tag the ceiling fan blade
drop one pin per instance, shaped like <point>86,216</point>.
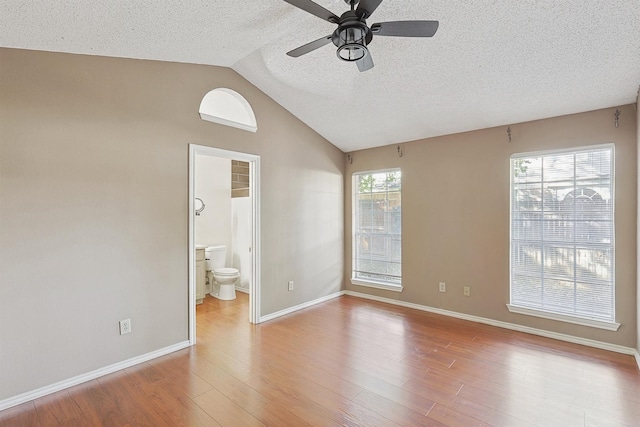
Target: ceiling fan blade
<point>366,7</point>
<point>405,28</point>
<point>314,9</point>
<point>311,46</point>
<point>365,63</point>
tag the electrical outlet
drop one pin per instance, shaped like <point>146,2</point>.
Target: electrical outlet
<point>443,287</point>
<point>290,285</point>
<point>467,291</point>
<point>125,326</point>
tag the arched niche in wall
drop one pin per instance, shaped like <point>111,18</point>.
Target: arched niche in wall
<point>227,107</point>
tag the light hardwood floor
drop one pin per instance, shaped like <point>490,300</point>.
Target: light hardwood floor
<point>353,362</point>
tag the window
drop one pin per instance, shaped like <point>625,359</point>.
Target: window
<point>562,236</point>
<point>377,229</point>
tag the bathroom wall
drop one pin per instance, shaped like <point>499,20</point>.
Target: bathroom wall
<point>241,240</point>
<point>213,186</point>
<point>239,178</point>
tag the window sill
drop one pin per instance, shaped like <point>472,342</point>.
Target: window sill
<point>609,326</point>
<point>377,285</point>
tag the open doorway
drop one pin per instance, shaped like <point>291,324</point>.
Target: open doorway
<point>252,203</point>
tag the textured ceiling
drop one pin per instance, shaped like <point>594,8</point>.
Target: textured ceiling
<point>491,63</point>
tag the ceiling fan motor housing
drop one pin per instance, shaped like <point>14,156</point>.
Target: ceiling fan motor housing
<point>352,37</point>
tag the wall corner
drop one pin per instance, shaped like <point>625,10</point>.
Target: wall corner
<point>638,232</point>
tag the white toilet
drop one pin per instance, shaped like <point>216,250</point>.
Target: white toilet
<point>223,279</point>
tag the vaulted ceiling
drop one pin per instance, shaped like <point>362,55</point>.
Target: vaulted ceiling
<point>491,63</point>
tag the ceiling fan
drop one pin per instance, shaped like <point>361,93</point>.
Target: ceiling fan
<point>353,35</point>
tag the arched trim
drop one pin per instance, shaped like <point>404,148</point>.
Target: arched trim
<point>227,107</point>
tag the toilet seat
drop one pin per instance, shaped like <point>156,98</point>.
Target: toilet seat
<point>226,271</point>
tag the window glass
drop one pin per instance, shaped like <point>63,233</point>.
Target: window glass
<point>377,226</point>
<point>562,233</point>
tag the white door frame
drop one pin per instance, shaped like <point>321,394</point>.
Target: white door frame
<point>254,193</point>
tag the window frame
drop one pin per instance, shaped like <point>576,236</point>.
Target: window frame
<point>548,314</point>
<point>378,284</point>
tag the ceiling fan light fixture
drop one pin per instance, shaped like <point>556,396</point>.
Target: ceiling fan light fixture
<point>352,43</point>
<point>352,52</point>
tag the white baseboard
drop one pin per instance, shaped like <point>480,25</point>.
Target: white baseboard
<point>299,307</point>
<point>52,388</point>
<point>239,289</point>
<point>512,326</point>
<point>637,356</point>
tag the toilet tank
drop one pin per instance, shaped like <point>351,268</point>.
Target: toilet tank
<point>215,256</point>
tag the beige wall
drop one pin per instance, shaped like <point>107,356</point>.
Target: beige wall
<point>638,243</point>
<point>455,196</point>
<point>93,207</point>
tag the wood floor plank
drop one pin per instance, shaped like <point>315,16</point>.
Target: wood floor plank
<point>276,415</point>
<point>495,415</point>
<point>58,409</point>
<point>300,406</point>
<point>229,364</point>
<point>295,365</point>
<point>239,392</point>
<point>224,411</point>
<point>175,371</point>
<point>333,406</point>
<point>167,398</point>
<point>131,403</point>
<point>481,402</point>
<point>97,406</point>
<point>352,362</point>
<point>19,416</point>
<point>395,411</point>
<point>452,418</point>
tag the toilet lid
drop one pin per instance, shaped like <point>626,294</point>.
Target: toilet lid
<point>226,271</point>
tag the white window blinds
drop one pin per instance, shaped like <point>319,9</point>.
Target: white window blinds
<point>562,233</point>
<point>377,227</point>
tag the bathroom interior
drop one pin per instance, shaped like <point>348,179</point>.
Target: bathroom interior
<point>222,227</point>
